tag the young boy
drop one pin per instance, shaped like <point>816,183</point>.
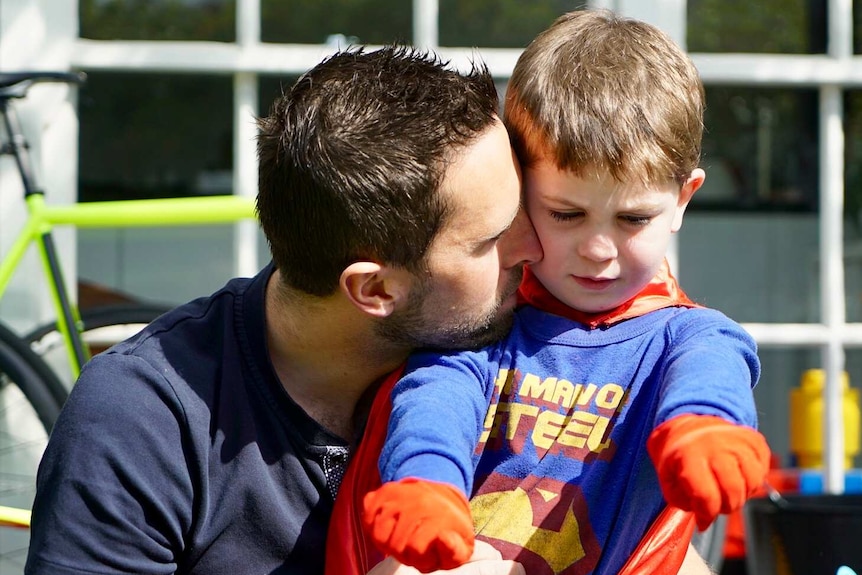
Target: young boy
<point>614,396</point>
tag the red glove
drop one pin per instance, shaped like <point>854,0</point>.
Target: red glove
<point>424,524</point>
<point>708,465</point>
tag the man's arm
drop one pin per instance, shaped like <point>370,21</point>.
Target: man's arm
<point>113,491</point>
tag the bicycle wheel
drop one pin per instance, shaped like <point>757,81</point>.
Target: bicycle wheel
<point>102,327</point>
<point>28,410</point>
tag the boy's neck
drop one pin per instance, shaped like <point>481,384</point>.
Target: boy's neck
<point>663,291</point>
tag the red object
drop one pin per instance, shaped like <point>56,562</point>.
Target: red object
<point>424,524</point>
<point>662,549</point>
<point>348,549</point>
<point>708,465</point>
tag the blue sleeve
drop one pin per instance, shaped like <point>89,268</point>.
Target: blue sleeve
<point>113,489</point>
<point>438,411</point>
<point>711,370</point>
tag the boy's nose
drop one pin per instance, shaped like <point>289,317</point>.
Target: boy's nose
<point>597,247</point>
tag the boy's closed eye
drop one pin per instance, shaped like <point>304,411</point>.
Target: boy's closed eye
<point>565,216</point>
<point>636,220</point>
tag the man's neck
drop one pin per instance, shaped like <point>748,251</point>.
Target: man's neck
<point>326,355</point>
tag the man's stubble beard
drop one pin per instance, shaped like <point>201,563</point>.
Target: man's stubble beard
<point>416,326</point>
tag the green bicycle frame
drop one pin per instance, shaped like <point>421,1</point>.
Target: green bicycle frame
<point>43,218</point>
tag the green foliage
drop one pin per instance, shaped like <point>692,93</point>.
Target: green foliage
<point>761,26</point>
<point>497,23</point>
<point>491,23</point>
<point>853,156</point>
<point>213,20</point>
<point>312,21</point>
<point>765,140</point>
<point>151,135</point>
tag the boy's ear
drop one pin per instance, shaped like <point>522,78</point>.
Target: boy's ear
<point>691,185</point>
<point>374,288</point>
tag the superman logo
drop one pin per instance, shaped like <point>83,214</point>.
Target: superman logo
<point>540,522</point>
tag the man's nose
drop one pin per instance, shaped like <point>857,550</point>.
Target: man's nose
<point>520,244</point>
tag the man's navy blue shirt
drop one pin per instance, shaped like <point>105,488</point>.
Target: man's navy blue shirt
<point>178,451</point>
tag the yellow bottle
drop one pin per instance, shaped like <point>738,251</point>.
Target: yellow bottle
<point>806,419</point>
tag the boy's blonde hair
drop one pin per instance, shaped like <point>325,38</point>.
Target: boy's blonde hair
<point>597,91</point>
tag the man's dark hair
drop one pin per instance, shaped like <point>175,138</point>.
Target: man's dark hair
<point>353,156</point>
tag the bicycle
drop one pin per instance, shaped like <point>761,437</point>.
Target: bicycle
<point>31,383</point>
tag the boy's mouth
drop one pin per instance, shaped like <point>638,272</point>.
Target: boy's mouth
<point>596,284</point>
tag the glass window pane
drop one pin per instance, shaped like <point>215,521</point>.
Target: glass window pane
<point>853,156</point>
<point>164,265</point>
<point>155,135</point>
<point>496,23</point>
<point>782,371</point>
<point>755,267</point>
<point>853,366</point>
<point>857,28</point>
<point>757,26</point>
<point>760,149</point>
<point>213,20</point>
<point>853,203</point>
<point>315,21</point>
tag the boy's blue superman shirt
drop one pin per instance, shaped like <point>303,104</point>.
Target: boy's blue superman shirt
<point>547,430</point>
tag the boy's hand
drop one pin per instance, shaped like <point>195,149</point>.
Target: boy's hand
<point>421,523</point>
<point>708,465</point>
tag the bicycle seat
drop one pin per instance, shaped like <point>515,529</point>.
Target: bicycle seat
<point>16,84</point>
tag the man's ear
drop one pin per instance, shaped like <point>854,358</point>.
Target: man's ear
<point>374,288</point>
<point>691,185</point>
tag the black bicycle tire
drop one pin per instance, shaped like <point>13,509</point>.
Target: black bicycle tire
<point>27,422</point>
<point>37,382</point>
<point>97,318</point>
<point>103,316</point>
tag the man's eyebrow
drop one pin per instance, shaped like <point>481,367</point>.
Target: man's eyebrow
<point>509,225</point>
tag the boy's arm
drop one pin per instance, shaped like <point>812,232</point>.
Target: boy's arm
<point>422,523</point>
<point>484,561</point>
<point>420,514</point>
<point>708,455</point>
<point>694,564</point>
<point>708,465</point>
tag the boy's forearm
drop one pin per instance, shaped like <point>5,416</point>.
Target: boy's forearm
<point>485,561</point>
<point>694,564</point>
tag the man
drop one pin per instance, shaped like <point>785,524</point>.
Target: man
<point>215,440</point>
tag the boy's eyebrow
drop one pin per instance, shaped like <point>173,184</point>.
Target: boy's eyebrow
<point>646,205</point>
